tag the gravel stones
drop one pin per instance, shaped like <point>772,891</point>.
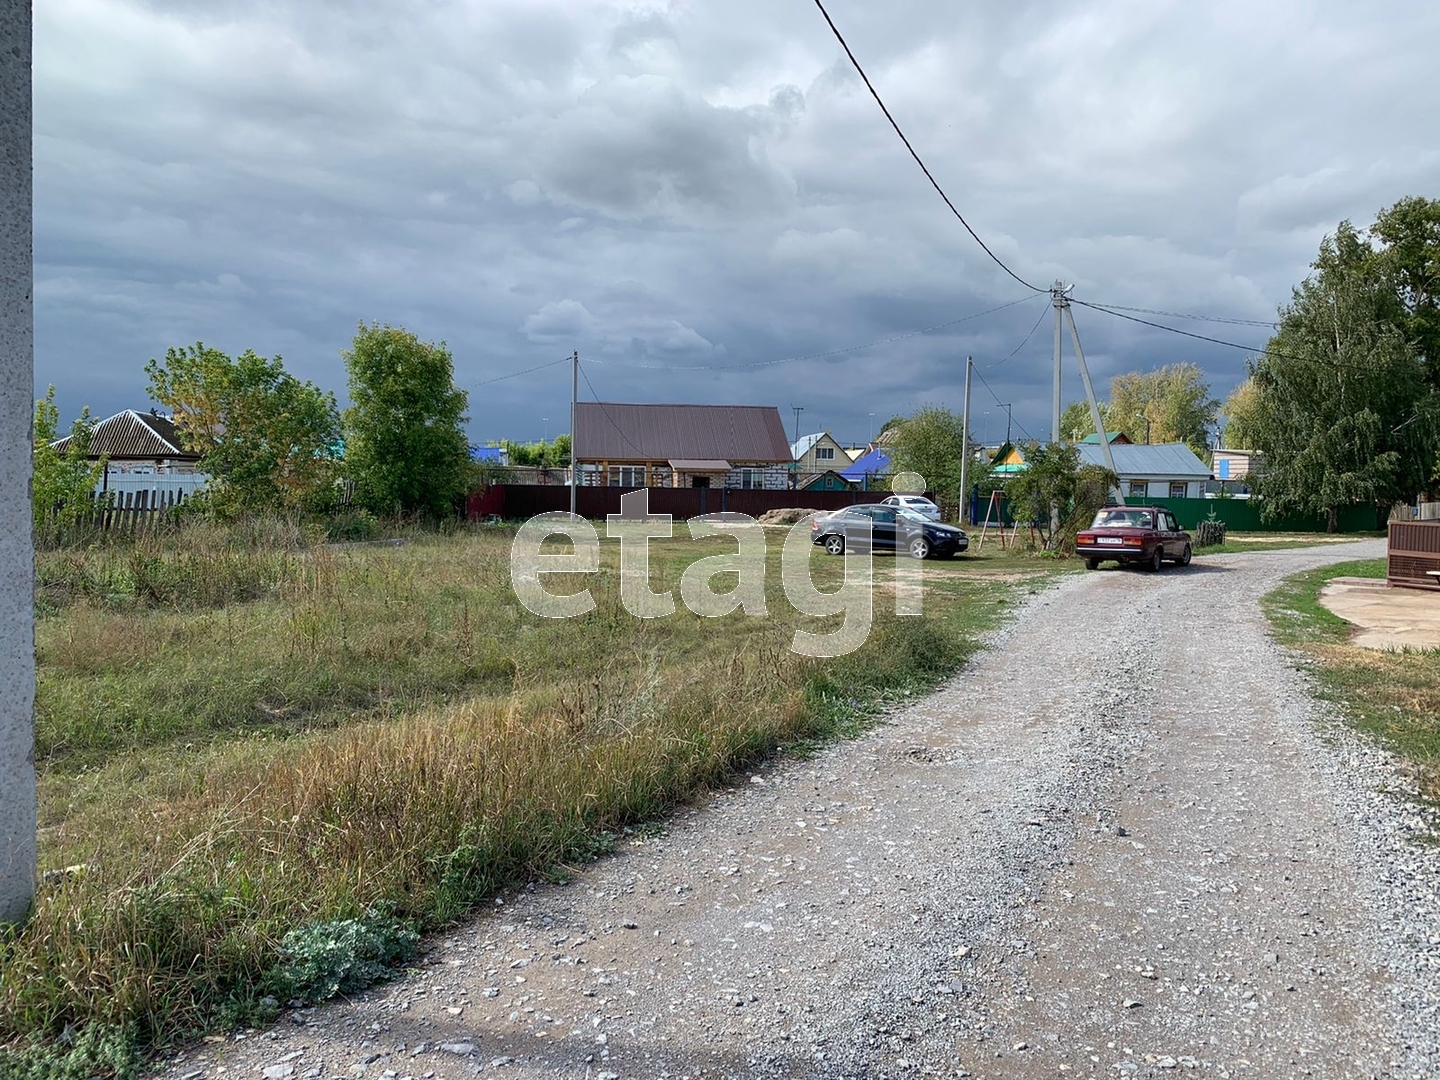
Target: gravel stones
<point>957,885</point>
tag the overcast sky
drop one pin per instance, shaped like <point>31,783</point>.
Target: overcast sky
<point>679,188</point>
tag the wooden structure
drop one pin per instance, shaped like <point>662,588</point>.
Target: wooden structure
<point>1413,555</point>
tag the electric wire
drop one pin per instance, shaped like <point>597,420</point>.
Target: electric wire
<point>1257,351</point>
<point>1023,341</point>
<point>523,371</point>
<point>918,161</point>
<point>1183,315</point>
<point>621,431</point>
<point>1010,416</point>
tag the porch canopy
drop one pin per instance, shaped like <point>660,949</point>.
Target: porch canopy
<point>699,465</point>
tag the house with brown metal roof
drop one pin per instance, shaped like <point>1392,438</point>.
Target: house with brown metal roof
<point>627,445</point>
<point>139,442</point>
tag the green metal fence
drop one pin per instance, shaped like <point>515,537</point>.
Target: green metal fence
<point>1243,515</point>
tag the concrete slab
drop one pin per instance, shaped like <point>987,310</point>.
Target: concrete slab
<point>1385,617</point>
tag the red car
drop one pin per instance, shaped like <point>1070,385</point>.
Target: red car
<point>1133,534</point>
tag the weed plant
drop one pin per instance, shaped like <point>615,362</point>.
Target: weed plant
<point>267,764</point>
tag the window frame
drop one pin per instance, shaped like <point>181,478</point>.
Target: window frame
<point>618,474</point>
<point>1182,485</point>
<point>1137,489</point>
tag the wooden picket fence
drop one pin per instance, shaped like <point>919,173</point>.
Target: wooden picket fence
<point>115,513</point>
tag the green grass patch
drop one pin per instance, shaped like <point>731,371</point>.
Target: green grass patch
<point>1391,696</point>
<point>1240,543</point>
<point>259,788</point>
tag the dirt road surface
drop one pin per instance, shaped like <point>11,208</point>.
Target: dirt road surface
<point>1125,841</point>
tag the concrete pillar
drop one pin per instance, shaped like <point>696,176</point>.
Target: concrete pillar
<point>17,404</point>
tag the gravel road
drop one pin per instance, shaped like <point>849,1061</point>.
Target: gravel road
<point>1124,841</point>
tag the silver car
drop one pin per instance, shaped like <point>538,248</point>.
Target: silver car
<point>917,504</point>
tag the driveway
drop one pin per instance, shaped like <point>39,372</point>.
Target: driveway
<point>1124,841</point>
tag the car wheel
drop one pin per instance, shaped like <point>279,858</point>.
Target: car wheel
<point>1157,560</point>
<point>919,548</point>
<point>835,544</point>
<point>1184,559</point>
<point>1092,564</point>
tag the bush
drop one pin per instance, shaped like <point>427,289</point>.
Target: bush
<point>341,956</point>
<point>1210,532</point>
<point>353,525</point>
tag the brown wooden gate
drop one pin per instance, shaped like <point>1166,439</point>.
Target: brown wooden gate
<point>1414,554</point>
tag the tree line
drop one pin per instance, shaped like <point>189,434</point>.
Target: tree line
<point>1342,407</point>
<point>272,442</point>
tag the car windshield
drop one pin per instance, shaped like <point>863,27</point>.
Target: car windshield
<point>1124,519</point>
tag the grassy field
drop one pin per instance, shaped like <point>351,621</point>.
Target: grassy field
<point>1240,543</point>
<point>265,766</point>
<point>1393,696</point>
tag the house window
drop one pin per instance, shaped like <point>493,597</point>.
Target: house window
<point>751,478</point>
<point>627,475</point>
<point>824,453</point>
<point>1177,489</point>
<point>1139,488</point>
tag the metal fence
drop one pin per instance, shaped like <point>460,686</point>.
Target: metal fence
<point>520,501</point>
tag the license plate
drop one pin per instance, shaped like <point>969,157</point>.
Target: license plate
<point>1109,541</point>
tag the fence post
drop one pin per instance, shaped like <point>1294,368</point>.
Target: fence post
<point>17,405</point>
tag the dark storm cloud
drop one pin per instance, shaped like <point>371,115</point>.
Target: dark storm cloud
<point>680,189</point>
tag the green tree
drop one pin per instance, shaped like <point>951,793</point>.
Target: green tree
<point>405,442</point>
<point>1344,414</point>
<point>929,443</point>
<point>1169,404</point>
<point>1076,421</point>
<point>552,455</point>
<point>1239,411</point>
<point>64,480</point>
<point>1053,476</point>
<point>266,438</point>
<point>1410,260</point>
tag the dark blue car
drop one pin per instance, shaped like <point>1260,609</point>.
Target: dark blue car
<point>886,528</point>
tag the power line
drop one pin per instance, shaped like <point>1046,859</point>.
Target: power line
<point>1023,342</point>
<point>1262,351</point>
<point>523,371</point>
<point>1259,351</point>
<point>813,356</point>
<point>923,168</point>
<point>585,375</point>
<point>1182,315</point>
<point>1003,405</point>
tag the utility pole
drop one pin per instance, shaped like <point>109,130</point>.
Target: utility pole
<point>965,447</point>
<point>17,407</point>
<point>1062,311</point>
<point>798,409</point>
<point>574,398</point>
<point>1059,300</point>
<point>1007,406</point>
<point>1090,397</point>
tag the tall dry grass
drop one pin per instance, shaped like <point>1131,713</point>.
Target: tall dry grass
<point>517,746</point>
